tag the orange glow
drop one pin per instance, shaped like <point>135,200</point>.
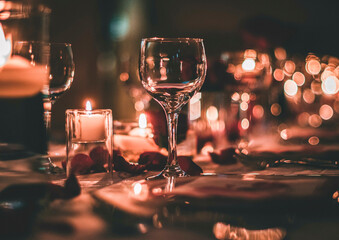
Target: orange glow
<point>139,106</point>
<point>245,97</point>
<point>336,106</point>
<point>315,120</point>
<point>88,106</point>
<point>258,111</point>
<point>212,113</point>
<point>124,76</point>
<point>313,66</point>
<point>283,134</point>
<point>230,68</point>
<point>326,112</point>
<point>137,188</point>
<point>5,47</point>
<point>142,121</point>
<point>290,88</point>
<point>278,74</point>
<point>245,124</point>
<point>243,106</point>
<point>235,97</point>
<point>316,87</point>
<point>250,53</point>
<point>299,78</point>
<point>248,64</point>
<point>308,96</point>
<point>303,119</point>
<point>275,109</point>
<point>289,67</point>
<point>280,53</point>
<point>330,85</point>
<point>313,140</point>
<point>207,148</point>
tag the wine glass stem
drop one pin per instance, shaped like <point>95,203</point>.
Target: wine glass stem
<point>172,124</point>
<point>47,120</point>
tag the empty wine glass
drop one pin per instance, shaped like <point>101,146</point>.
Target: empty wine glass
<point>172,70</point>
<point>58,58</point>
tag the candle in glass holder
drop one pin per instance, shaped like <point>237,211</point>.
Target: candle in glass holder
<point>92,125</point>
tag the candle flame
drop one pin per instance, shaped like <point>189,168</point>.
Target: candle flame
<point>142,121</point>
<point>88,106</point>
<point>5,47</point>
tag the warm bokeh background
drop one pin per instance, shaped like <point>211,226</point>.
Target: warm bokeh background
<point>106,35</point>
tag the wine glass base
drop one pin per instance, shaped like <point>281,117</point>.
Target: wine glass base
<point>173,171</point>
<point>47,166</point>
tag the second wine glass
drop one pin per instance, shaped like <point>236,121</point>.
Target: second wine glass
<point>172,70</point>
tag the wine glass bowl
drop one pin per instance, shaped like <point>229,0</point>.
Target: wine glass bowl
<point>172,70</point>
<point>61,67</point>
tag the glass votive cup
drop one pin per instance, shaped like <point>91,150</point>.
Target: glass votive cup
<point>89,137</point>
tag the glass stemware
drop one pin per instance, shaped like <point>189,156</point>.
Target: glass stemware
<point>58,58</point>
<point>172,70</point>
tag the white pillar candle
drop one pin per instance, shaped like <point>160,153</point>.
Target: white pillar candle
<point>92,125</point>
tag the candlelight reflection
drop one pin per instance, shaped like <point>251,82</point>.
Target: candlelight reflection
<point>226,231</point>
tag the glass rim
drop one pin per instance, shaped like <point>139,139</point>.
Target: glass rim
<point>165,39</point>
<point>84,111</point>
<point>47,43</point>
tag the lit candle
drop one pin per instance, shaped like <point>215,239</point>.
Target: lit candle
<point>18,77</point>
<point>92,125</point>
<point>142,130</point>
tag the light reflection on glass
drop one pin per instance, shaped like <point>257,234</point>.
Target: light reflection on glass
<point>226,231</point>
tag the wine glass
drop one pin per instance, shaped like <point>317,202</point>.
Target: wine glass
<point>172,70</point>
<point>58,58</point>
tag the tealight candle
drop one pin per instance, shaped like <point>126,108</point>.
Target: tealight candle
<point>89,140</point>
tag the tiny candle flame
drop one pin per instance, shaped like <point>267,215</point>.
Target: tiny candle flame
<point>142,121</point>
<point>88,106</point>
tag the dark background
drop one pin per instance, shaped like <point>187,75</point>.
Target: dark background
<point>105,36</point>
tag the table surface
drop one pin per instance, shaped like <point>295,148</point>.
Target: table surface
<point>228,202</point>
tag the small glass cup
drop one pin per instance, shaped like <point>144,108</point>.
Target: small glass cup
<point>89,141</point>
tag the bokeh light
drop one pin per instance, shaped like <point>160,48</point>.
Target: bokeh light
<point>258,111</point>
<point>245,97</point>
<point>303,119</point>
<point>235,97</point>
<point>299,78</point>
<point>244,106</point>
<point>314,120</point>
<point>245,124</point>
<point>313,66</point>
<point>280,53</point>
<point>275,109</point>
<point>290,88</point>
<point>308,96</point>
<point>326,112</point>
<point>330,85</point>
<point>289,67</point>
<point>212,113</point>
<point>278,74</point>
<point>314,140</point>
<point>248,64</point>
